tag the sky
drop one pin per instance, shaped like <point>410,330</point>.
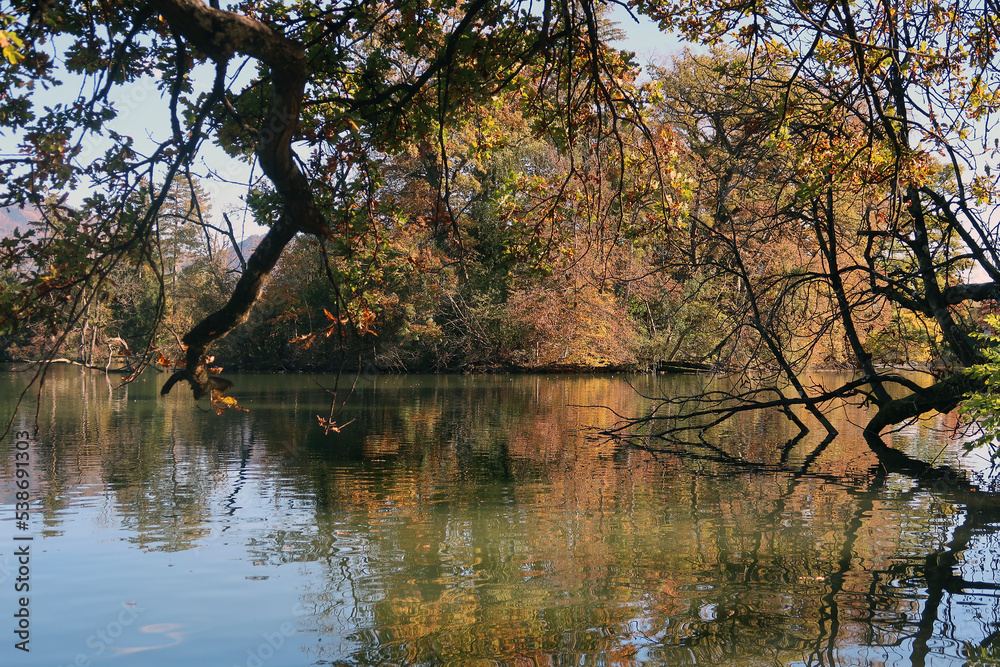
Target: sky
<point>645,38</point>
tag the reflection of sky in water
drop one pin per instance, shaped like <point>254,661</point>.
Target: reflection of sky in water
<point>96,595</point>
<point>462,521</point>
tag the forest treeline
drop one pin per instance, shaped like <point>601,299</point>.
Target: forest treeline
<point>505,244</point>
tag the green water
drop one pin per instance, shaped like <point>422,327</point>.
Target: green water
<point>469,521</point>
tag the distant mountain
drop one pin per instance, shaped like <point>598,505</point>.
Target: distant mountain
<point>12,218</point>
<point>247,246</point>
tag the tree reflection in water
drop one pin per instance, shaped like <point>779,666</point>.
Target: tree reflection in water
<point>469,521</point>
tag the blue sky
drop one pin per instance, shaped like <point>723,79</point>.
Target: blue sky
<point>645,38</point>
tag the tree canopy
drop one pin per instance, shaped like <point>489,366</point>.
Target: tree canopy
<point>862,134</point>
<point>317,96</point>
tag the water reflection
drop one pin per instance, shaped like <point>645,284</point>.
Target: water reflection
<point>468,520</point>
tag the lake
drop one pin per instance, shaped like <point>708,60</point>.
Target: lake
<point>472,520</point>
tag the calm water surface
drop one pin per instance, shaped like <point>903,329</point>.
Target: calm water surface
<point>468,521</point>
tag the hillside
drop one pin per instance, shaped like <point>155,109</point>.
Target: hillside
<point>247,246</point>
<point>12,218</point>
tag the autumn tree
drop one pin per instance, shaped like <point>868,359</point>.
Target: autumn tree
<point>873,138</point>
<point>307,94</point>
<point>530,262</point>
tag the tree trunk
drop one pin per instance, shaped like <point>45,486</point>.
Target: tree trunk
<point>221,34</point>
<point>942,396</point>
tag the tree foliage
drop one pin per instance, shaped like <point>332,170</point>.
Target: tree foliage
<point>857,133</point>
<point>318,97</point>
<point>983,405</point>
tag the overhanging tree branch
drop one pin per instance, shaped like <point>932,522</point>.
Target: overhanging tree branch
<point>220,35</point>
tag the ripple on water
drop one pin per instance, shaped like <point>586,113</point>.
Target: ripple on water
<point>461,520</point>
